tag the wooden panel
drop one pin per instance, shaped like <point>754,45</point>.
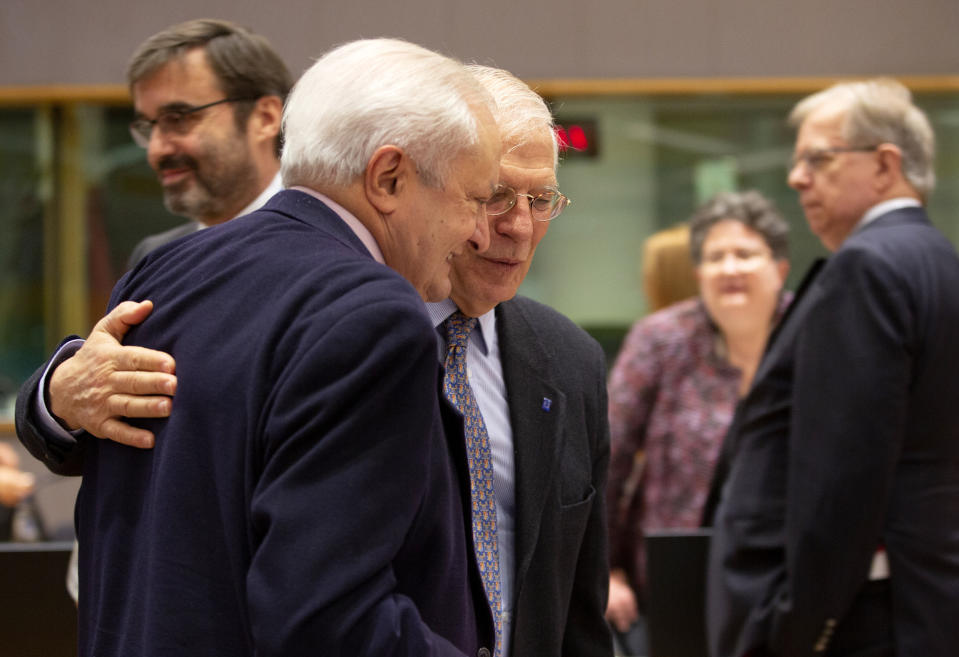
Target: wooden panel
<point>725,86</point>
<point>118,94</point>
<point>105,94</point>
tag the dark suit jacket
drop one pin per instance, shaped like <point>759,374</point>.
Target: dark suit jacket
<point>152,242</point>
<point>848,441</point>
<point>302,498</point>
<point>561,455</point>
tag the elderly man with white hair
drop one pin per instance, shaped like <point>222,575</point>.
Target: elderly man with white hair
<point>548,431</point>
<point>303,497</point>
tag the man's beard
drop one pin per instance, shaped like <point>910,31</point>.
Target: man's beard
<point>211,191</point>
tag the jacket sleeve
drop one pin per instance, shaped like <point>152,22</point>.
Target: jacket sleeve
<point>61,454</point>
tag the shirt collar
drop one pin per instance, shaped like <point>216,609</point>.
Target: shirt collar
<point>361,231</point>
<point>440,310</point>
<point>275,186</point>
<point>880,209</point>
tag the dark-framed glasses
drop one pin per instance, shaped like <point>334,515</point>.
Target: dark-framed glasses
<point>817,158</point>
<point>177,120</point>
<point>543,205</point>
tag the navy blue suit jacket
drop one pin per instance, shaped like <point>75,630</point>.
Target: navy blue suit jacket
<point>302,498</point>
<point>848,441</point>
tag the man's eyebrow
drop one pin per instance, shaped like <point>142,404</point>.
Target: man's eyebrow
<point>176,106</point>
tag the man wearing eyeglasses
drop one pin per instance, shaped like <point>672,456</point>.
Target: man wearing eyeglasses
<point>836,532</point>
<point>547,428</point>
<point>540,384</point>
<point>207,97</point>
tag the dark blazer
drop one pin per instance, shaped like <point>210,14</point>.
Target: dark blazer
<point>152,242</point>
<point>847,442</point>
<point>561,452</point>
<point>303,497</point>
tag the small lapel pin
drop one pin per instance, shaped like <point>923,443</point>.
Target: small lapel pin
<point>547,402</point>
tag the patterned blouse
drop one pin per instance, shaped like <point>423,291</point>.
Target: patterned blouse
<point>671,399</point>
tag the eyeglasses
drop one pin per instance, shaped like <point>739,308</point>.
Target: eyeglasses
<point>544,206</point>
<point>744,260</point>
<point>818,158</point>
<point>176,121</point>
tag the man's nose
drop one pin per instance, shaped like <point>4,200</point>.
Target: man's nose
<point>518,222</point>
<point>158,146</point>
<point>798,176</point>
<point>481,236</point>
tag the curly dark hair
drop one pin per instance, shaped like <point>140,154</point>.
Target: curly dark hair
<point>750,208</point>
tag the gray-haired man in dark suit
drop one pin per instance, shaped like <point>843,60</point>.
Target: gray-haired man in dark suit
<point>836,532</point>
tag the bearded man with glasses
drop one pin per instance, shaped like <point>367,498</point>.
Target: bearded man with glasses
<point>207,97</point>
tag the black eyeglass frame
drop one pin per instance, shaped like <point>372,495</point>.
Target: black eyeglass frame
<point>142,128</point>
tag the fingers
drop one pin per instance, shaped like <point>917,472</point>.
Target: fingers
<point>126,434</point>
<point>8,456</point>
<point>621,609</point>
<point>620,616</point>
<point>105,382</point>
<point>139,368</point>
<point>112,425</point>
<point>104,350</point>
<point>138,405</point>
<point>14,485</point>
<point>119,320</point>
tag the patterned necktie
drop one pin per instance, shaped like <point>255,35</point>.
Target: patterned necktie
<point>457,390</point>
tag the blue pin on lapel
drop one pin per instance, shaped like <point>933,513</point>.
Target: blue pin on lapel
<point>547,402</point>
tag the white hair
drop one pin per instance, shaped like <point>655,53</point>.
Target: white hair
<point>371,93</point>
<point>880,111</point>
<point>521,113</point>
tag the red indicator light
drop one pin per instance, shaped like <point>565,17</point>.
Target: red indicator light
<point>577,138</point>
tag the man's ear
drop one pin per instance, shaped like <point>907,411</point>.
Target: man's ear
<point>266,118</point>
<point>387,176</point>
<point>889,168</point>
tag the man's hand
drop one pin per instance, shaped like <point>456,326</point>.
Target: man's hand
<point>105,382</point>
<point>14,484</point>
<point>621,610</point>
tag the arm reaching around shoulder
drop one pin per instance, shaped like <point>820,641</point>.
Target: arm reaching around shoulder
<point>105,382</point>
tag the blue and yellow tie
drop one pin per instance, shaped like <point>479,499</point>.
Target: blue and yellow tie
<point>457,389</point>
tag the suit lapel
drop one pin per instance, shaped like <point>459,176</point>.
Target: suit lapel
<point>791,310</point>
<point>537,410</point>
